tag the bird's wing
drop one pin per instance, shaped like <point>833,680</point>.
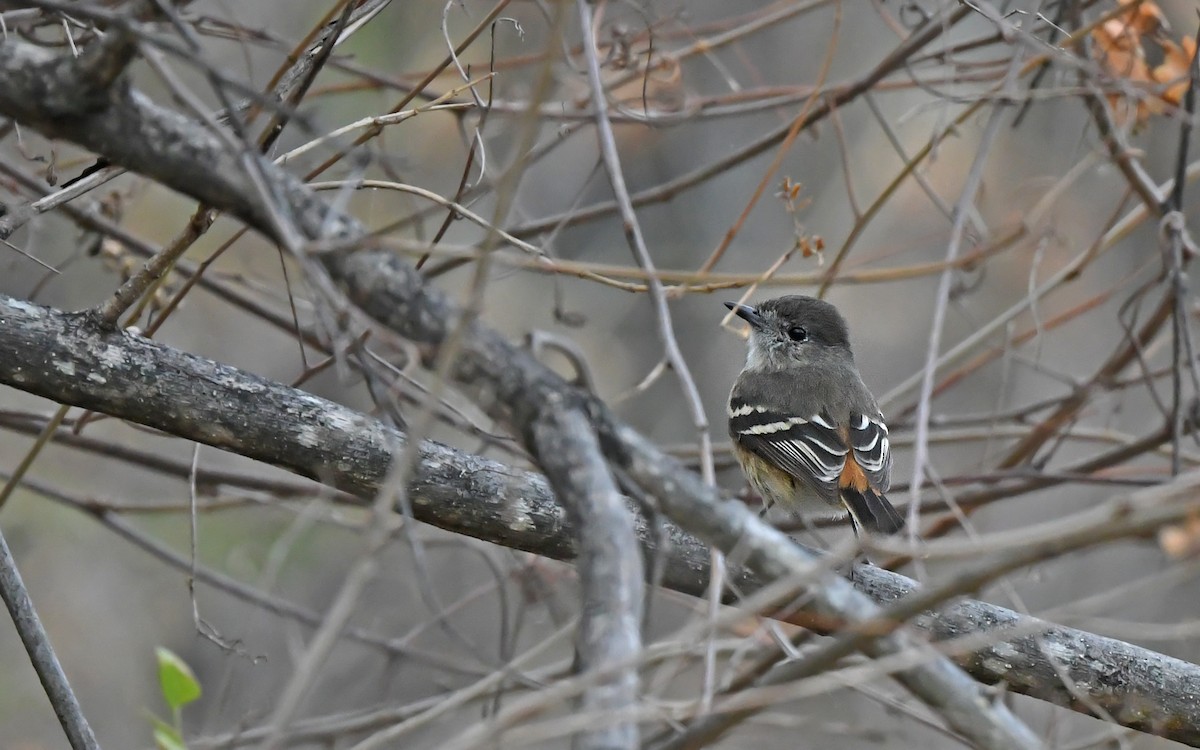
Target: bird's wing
<point>872,450</point>
<point>808,448</point>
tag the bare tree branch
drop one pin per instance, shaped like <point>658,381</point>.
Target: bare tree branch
<point>41,654</point>
<point>67,357</point>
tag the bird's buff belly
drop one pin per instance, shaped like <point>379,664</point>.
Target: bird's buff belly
<point>790,495</point>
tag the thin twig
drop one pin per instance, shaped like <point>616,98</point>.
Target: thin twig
<point>41,654</point>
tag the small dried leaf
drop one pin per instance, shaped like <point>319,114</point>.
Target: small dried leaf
<point>1177,59</point>
<point>1144,17</point>
<point>1119,50</point>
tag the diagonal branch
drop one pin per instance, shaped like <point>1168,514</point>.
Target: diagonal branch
<point>41,654</point>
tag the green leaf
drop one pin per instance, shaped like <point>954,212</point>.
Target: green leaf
<point>167,737</point>
<point>175,677</point>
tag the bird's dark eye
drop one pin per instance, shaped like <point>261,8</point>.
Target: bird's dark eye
<point>798,333</point>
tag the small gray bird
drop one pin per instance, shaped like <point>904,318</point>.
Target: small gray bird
<point>805,429</point>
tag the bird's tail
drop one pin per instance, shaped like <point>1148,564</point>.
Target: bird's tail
<point>871,510</point>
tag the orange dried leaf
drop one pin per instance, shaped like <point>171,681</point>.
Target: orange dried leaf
<point>789,190</point>
<point>1120,51</point>
<point>1177,60</point>
<point>1144,17</point>
<point>810,246</point>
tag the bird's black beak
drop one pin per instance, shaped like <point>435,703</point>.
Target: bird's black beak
<point>746,313</point>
